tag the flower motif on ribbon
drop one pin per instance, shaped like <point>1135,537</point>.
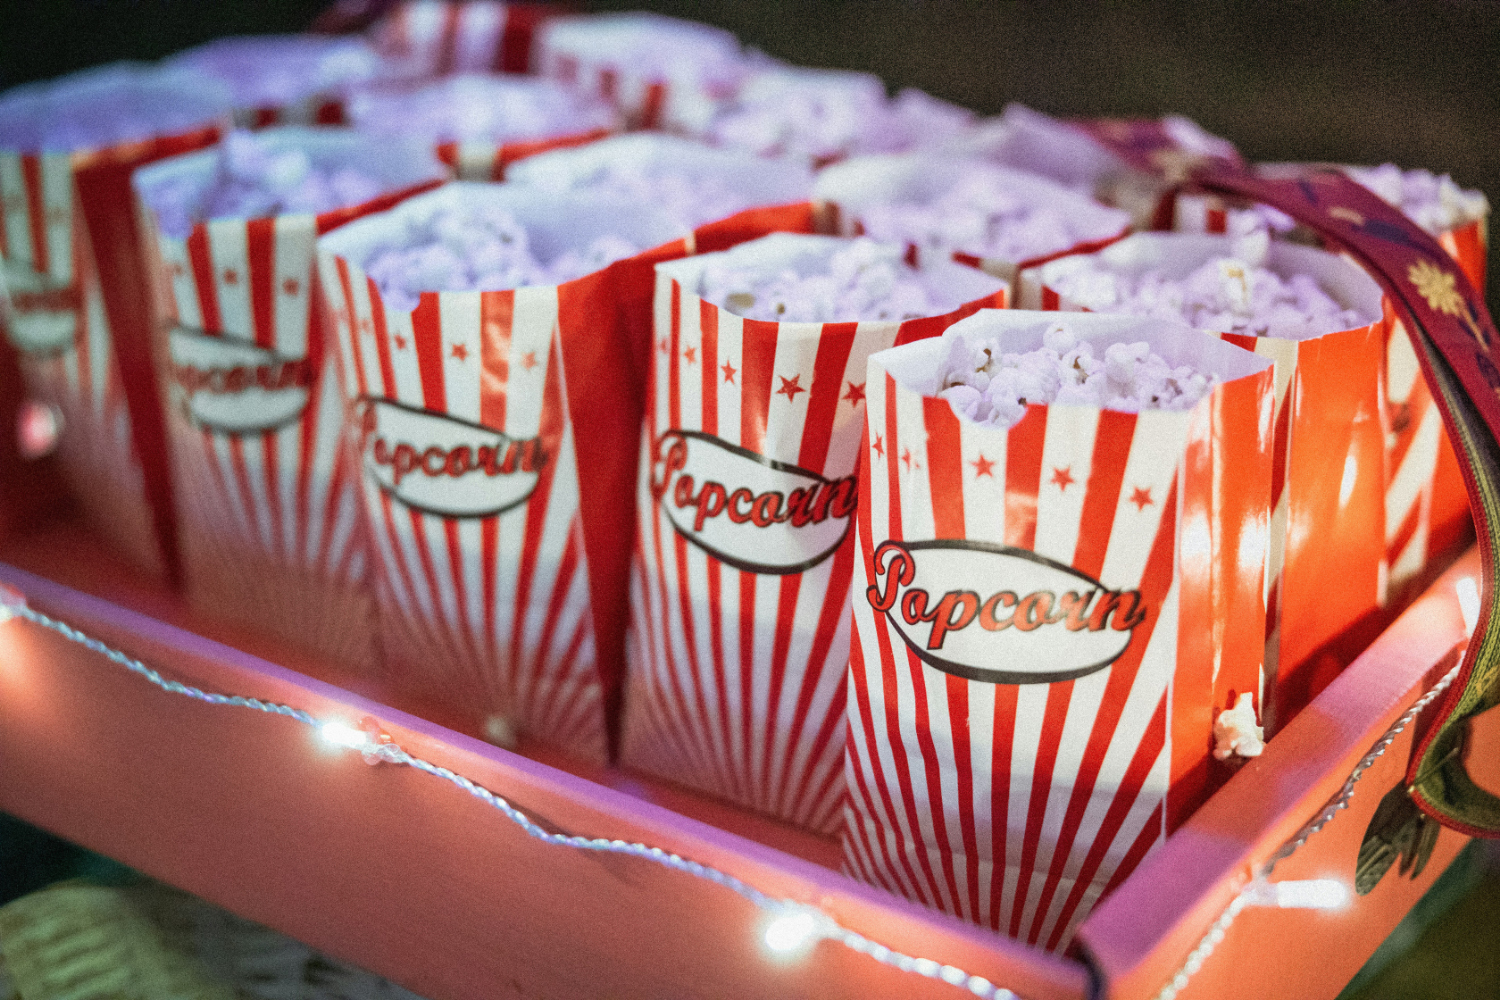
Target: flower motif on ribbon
<point>1437,287</point>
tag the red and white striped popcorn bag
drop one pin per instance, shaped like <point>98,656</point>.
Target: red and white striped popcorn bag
<point>661,72</point>
<point>1427,506</point>
<point>1326,577</point>
<point>848,195</point>
<point>285,79</point>
<point>423,38</point>
<point>1048,619</point>
<point>268,501</point>
<point>497,442</point>
<point>739,603</point>
<point>74,297</point>
<point>725,197</point>
<point>481,124</point>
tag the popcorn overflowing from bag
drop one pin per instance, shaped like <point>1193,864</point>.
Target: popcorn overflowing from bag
<point>994,389</point>
<point>864,281</point>
<point>482,249</point>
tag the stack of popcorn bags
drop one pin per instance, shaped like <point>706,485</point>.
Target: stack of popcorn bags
<point>609,390</point>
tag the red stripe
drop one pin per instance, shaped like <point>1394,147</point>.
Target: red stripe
<point>1145,757</point>
<point>1002,742</point>
<point>1050,300</point>
<point>1156,580</point>
<point>932,767</point>
<point>757,366</point>
<point>382,337</point>
<point>446,57</point>
<point>496,328</point>
<point>36,211</point>
<point>945,468</point>
<point>787,590</point>
<point>557,600</point>
<point>831,619</point>
<point>654,105</point>
<point>1101,496</point>
<point>427,339</point>
<point>271,453</point>
<point>697,758</point>
<point>708,326</point>
<point>317,341</point>
<point>1023,476</point>
<point>1216,220</point>
<point>550,431</point>
<point>747,669</point>
<point>489,559</point>
<point>963,765</point>
<point>359,361</point>
<point>336,486</point>
<point>609,84</point>
<point>1281,446</point>
<point>242,484</point>
<point>1054,716</point>
<point>260,243</point>
<point>1409,525</point>
<point>835,343</point>
<point>1149,836</point>
<point>444,626</point>
<point>201,261</point>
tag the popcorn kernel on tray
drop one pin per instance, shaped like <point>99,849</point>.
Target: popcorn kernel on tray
<point>863,281</point>
<point>994,389</point>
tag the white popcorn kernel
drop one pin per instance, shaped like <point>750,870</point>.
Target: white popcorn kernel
<point>864,281</point>
<point>1226,294</point>
<point>479,108</point>
<point>1236,733</point>
<point>994,389</point>
<point>481,249</point>
<point>1434,202</point>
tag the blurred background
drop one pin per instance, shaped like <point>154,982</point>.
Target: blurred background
<point>1415,83</point>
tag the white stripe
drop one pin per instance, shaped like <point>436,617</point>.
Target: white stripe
<point>1155,452</point>
<point>228,254</point>
<point>1067,460</point>
<point>293,244</point>
<point>17,226</point>
<point>1415,472</point>
<point>57,203</point>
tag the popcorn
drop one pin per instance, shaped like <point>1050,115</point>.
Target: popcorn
<point>992,388</point>
<point>1434,202</point>
<point>268,71</point>
<point>480,108</point>
<point>864,281</point>
<point>1235,731</point>
<point>984,216</point>
<point>482,248</point>
<point>825,115</point>
<point>1229,294</point>
<point>256,178</point>
<point>689,181</point>
<point>107,106</point>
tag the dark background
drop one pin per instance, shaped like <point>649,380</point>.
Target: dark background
<point>1414,83</point>
<point>1417,83</point>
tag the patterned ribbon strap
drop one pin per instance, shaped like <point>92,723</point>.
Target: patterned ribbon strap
<point>1456,345</point>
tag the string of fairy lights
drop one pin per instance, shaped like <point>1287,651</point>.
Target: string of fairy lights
<point>788,929</point>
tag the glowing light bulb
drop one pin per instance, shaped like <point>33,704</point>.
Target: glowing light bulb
<point>38,427</point>
<point>340,734</point>
<point>1468,602</point>
<point>792,931</point>
<point>10,600</point>
<point>1299,894</point>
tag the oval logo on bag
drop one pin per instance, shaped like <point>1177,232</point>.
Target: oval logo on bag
<point>441,465</point>
<point>236,387</point>
<point>1000,614</point>
<point>40,318</point>
<point>746,510</point>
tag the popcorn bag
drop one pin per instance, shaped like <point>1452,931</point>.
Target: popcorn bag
<point>1048,619</point>
<point>747,492</point>
<point>285,79</point>
<point>496,435</point>
<point>1000,220</point>
<point>661,72</point>
<point>75,301</point>
<point>481,124</point>
<point>725,197</point>
<point>267,499</point>
<point>1427,507</point>
<point>424,38</point>
<point>1326,559</point>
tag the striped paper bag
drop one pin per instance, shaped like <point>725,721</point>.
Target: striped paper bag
<point>423,38</point>
<point>267,500</point>
<point>1327,577</point>
<point>73,287</point>
<point>480,124</point>
<point>1047,619</point>
<point>497,442</point>
<point>661,72</point>
<point>740,597</point>
<point>755,196</point>
<point>285,79</point>
<point>847,194</point>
